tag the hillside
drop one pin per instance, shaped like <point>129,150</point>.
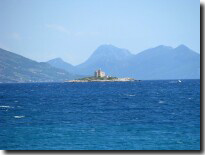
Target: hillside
<point>161,62</point>
<point>107,57</point>
<point>61,64</point>
<point>16,68</point>
<point>165,62</point>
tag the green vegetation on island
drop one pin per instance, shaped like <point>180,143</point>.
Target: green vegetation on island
<point>100,76</point>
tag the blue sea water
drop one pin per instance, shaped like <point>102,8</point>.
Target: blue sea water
<point>146,115</point>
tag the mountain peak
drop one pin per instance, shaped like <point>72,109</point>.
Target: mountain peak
<point>56,59</point>
<point>16,68</point>
<point>103,55</point>
<point>107,46</point>
<point>164,47</point>
<point>61,64</point>
<point>182,46</point>
<point>108,50</point>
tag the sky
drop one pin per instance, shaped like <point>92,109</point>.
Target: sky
<point>72,29</point>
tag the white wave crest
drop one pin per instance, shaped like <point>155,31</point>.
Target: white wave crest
<point>130,95</point>
<point>19,116</point>
<point>5,106</point>
<point>161,101</point>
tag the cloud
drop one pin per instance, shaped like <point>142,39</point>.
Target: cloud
<point>59,28</point>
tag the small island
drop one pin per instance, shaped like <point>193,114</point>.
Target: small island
<point>100,76</point>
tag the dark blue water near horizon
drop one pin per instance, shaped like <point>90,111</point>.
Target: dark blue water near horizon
<point>146,115</point>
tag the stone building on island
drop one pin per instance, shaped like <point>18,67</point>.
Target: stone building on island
<point>99,76</point>
<point>99,73</point>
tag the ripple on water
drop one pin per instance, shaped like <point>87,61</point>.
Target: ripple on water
<point>19,116</point>
<point>5,106</point>
<point>130,95</point>
<point>161,102</point>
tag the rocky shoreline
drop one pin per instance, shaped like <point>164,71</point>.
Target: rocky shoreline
<point>113,80</point>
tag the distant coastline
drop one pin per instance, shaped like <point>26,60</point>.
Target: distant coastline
<point>159,63</point>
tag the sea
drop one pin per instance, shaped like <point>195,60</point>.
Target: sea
<point>145,115</point>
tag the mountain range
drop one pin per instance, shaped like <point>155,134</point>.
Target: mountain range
<point>161,62</point>
<point>16,68</point>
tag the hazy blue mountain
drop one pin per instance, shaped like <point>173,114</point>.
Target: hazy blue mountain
<point>165,62</point>
<point>107,57</point>
<point>16,68</point>
<point>162,62</point>
<point>59,63</point>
